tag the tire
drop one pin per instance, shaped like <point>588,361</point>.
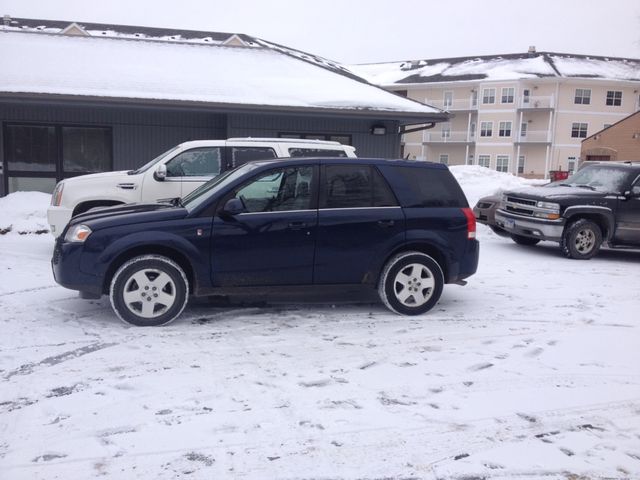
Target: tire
<point>581,240</point>
<point>161,285</point>
<point>411,283</point>
<point>520,240</point>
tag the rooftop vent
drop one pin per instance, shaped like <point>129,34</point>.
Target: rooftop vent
<point>532,49</point>
<point>6,20</point>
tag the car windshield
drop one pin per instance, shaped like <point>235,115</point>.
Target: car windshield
<point>150,164</point>
<point>606,179</point>
<point>206,190</point>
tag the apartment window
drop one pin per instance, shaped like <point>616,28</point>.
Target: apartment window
<point>523,129</point>
<point>583,96</point>
<point>505,129</point>
<point>486,129</point>
<point>507,95</point>
<point>578,130</point>
<point>472,133</point>
<point>488,96</point>
<point>571,164</point>
<point>444,158</point>
<point>446,130</point>
<point>614,98</point>
<point>470,159</point>
<point>502,163</point>
<point>484,160</point>
<point>521,164</point>
<point>448,100</point>
<point>474,98</point>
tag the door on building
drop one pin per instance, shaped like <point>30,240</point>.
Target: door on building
<point>38,156</point>
<point>526,96</point>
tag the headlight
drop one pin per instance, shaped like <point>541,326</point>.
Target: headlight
<point>77,234</point>
<point>549,206</point>
<point>56,198</point>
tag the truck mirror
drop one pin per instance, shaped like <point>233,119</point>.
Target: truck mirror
<point>161,173</point>
<point>233,206</point>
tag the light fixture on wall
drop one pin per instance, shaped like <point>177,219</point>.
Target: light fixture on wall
<point>378,130</point>
<point>636,135</point>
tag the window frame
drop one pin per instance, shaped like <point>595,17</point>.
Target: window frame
<point>499,168</point>
<point>486,157</point>
<point>502,132</point>
<point>444,156</point>
<point>373,171</point>
<point>612,98</point>
<point>581,97</point>
<point>578,129</point>
<point>508,96</point>
<point>483,130</point>
<point>488,96</point>
<point>522,159</point>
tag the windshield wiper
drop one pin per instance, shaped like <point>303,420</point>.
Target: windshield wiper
<point>586,186</point>
<point>565,185</point>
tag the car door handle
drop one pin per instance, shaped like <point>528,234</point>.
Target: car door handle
<point>297,225</point>
<point>386,223</point>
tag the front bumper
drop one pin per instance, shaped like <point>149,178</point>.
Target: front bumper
<point>65,264</point>
<point>530,227</point>
<point>58,217</point>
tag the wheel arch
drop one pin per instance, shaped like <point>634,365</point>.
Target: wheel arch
<point>601,216</point>
<point>422,247</point>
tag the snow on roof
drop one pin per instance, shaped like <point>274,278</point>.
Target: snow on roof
<point>499,67</point>
<point>117,68</point>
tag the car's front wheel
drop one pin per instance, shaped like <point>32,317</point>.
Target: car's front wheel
<point>411,283</point>
<point>581,240</point>
<point>149,290</point>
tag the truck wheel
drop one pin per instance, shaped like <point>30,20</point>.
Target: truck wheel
<point>520,240</point>
<point>581,240</point>
<point>148,291</point>
<point>411,283</point>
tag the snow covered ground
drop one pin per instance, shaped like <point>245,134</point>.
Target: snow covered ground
<point>531,371</point>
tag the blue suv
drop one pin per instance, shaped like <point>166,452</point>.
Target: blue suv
<point>401,227</point>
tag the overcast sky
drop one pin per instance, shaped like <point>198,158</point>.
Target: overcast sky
<point>359,31</point>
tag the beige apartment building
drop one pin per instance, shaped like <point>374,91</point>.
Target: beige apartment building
<point>521,113</point>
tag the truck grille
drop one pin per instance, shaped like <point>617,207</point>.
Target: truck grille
<point>520,206</point>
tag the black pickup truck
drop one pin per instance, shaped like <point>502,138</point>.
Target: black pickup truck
<point>600,203</point>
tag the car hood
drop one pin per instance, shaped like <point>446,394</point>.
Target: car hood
<point>96,177</point>
<point>133,213</point>
<point>556,192</point>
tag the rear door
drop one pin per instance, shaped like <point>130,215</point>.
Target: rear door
<point>358,220</point>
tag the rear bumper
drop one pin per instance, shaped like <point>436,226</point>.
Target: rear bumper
<point>468,264</point>
<point>530,227</point>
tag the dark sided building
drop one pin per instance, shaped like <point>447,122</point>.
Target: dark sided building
<point>85,98</point>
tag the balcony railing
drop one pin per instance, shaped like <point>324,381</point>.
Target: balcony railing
<point>452,105</point>
<point>534,136</point>
<point>537,102</point>
<point>447,137</point>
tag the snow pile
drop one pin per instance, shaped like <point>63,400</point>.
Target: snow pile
<point>24,212</point>
<point>478,182</point>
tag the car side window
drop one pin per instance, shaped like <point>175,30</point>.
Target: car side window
<point>197,162</point>
<point>355,186</point>
<point>242,155</point>
<point>278,190</point>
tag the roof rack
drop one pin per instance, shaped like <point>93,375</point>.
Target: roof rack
<point>287,140</point>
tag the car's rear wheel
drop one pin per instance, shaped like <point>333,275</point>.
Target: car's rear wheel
<point>411,283</point>
<point>581,240</point>
<point>521,240</point>
<point>149,290</point>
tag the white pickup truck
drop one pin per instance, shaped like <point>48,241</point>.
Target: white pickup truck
<point>175,173</point>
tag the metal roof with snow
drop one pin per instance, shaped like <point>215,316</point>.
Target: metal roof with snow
<point>178,67</point>
<point>499,67</point>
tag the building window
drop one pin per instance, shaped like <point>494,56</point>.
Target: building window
<point>521,164</point>
<point>472,133</point>
<point>507,95</point>
<point>343,139</point>
<point>571,164</point>
<point>583,96</point>
<point>484,160</point>
<point>505,129</point>
<point>470,159</point>
<point>486,129</point>
<point>614,98</point>
<point>488,96</point>
<point>37,156</point>
<point>446,130</point>
<point>502,163</point>
<point>523,129</point>
<point>578,130</point>
<point>444,158</point>
<point>448,100</point>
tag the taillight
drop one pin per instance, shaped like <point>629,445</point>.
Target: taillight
<point>471,222</point>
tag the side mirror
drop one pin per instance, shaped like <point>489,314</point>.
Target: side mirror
<point>161,173</point>
<point>234,206</point>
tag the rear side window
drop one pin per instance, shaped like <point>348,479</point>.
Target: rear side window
<point>315,152</point>
<point>355,186</point>
<point>242,155</point>
<point>430,187</point>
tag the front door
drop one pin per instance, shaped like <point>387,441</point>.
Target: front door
<point>628,218</point>
<point>359,218</point>
<point>272,242</point>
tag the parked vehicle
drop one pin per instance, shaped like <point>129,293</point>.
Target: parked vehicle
<point>401,227</point>
<point>175,173</point>
<point>485,213</point>
<point>600,203</point>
